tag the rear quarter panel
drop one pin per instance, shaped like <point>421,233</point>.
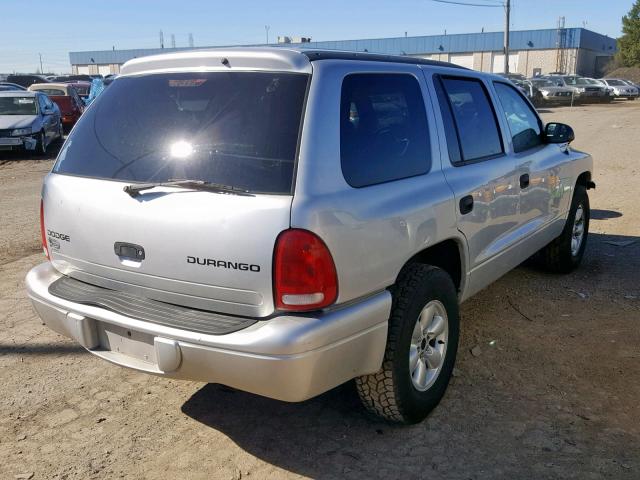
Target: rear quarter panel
<point>370,231</point>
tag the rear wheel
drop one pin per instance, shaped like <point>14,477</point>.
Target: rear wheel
<point>422,343</point>
<point>565,253</point>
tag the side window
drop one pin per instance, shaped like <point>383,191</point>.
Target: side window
<point>476,127</point>
<point>523,123</point>
<point>383,129</point>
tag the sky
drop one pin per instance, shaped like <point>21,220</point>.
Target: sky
<point>32,27</point>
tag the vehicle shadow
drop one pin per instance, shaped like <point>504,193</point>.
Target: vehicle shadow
<point>331,436</point>
<point>604,214</point>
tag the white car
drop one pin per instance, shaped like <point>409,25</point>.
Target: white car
<point>28,120</point>
<point>620,88</point>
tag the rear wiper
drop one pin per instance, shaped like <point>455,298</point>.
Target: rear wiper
<point>135,188</point>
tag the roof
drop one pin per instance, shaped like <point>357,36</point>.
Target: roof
<point>47,86</point>
<point>542,39</point>
<point>259,58</point>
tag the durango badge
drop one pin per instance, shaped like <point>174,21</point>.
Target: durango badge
<point>210,262</point>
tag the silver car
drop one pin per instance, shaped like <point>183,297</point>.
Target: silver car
<point>551,92</point>
<point>583,90</point>
<point>28,120</point>
<point>620,88</point>
<point>284,221</point>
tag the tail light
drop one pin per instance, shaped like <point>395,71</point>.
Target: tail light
<point>43,234</point>
<point>304,273</point>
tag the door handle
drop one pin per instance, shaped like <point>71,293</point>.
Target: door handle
<point>466,204</point>
<point>524,180</point>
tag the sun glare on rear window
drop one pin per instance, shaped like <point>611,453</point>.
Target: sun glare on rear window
<point>234,128</point>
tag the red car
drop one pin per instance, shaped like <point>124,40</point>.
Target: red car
<point>82,88</point>
<point>67,99</point>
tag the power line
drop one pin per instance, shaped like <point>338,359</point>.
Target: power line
<point>452,2</point>
<point>507,15</point>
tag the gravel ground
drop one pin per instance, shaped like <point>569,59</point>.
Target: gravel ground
<point>550,391</point>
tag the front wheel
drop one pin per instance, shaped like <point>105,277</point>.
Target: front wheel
<point>565,253</point>
<point>41,144</point>
<point>422,343</point>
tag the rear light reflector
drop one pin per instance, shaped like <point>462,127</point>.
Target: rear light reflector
<point>43,234</point>
<point>304,274</point>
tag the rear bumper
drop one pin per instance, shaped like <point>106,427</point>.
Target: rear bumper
<point>288,357</point>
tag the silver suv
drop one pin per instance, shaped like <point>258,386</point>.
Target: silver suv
<point>284,221</point>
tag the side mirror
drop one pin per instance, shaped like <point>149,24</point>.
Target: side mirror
<point>558,133</point>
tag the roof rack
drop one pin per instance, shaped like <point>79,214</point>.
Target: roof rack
<point>314,55</point>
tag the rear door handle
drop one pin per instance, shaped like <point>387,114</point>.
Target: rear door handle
<point>524,180</point>
<point>466,204</point>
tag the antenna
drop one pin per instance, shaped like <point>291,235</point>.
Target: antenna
<point>161,39</point>
<point>191,40</point>
<point>173,41</point>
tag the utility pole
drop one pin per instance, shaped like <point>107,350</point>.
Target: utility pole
<point>507,16</point>
<point>161,39</point>
<point>191,40</point>
<point>173,40</point>
<point>40,55</point>
<point>266,29</point>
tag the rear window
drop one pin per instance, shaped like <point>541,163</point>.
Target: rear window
<point>234,128</point>
<point>52,91</point>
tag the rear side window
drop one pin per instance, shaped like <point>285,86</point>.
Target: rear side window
<point>234,128</point>
<point>475,122</point>
<point>523,123</point>
<point>383,129</point>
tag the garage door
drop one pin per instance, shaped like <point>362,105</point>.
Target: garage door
<point>498,63</point>
<point>104,69</point>
<point>464,60</point>
<point>83,69</point>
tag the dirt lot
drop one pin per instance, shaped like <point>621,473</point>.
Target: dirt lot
<point>552,392</point>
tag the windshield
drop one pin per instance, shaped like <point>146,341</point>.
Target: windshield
<point>18,106</point>
<point>575,81</point>
<point>233,128</point>
<point>616,83</point>
<point>543,83</point>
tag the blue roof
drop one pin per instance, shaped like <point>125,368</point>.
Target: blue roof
<point>429,44</point>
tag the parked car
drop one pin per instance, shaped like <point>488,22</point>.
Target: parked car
<point>81,88</point>
<point>26,80</point>
<point>583,90</point>
<point>73,78</point>
<point>65,96</point>
<point>551,93</point>
<point>632,84</point>
<point>284,221</point>
<point>620,88</point>
<point>11,86</point>
<point>28,120</point>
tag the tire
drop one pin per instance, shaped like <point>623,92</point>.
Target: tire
<point>391,393</point>
<point>560,256</point>
<point>41,145</point>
